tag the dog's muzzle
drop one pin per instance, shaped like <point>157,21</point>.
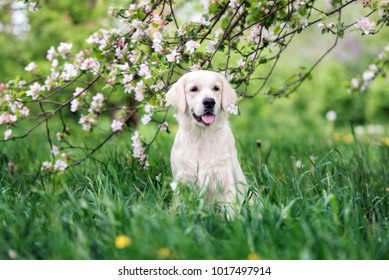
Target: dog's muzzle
<point>208,117</point>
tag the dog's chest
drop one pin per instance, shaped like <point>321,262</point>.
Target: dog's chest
<point>202,151</point>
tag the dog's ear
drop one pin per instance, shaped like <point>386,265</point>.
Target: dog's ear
<point>176,95</point>
<point>228,94</point>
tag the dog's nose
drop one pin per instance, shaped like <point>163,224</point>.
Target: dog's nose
<point>209,102</point>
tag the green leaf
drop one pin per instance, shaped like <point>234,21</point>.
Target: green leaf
<point>226,22</point>
<point>277,30</point>
<point>214,8</point>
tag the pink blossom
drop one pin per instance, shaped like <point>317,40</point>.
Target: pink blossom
<point>25,111</point>
<point>55,150</point>
<point>180,31</point>
<point>138,149</point>
<point>46,165</point>
<point>58,135</point>
<point>365,25</point>
<point>195,67</point>
<point>87,122</point>
<point>90,64</point>
<point>127,78</point>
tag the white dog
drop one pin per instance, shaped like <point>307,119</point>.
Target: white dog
<point>204,150</point>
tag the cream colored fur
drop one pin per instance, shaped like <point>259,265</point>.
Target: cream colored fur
<point>206,154</point>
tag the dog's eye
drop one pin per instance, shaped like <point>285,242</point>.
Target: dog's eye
<point>194,89</point>
<point>216,88</point>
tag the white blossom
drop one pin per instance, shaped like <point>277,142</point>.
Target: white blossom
<point>355,83</point>
<point>204,22</point>
<point>234,4</point>
<point>64,49</point>
<point>69,71</point>
<point>232,109</point>
<point>146,119</point>
<point>7,134</point>
<point>139,91</point>
<point>78,91</point>
<point>368,75</point>
<point>173,185</point>
<point>299,164</point>
<point>144,70</point>
<point>191,46</point>
<point>51,53</point>
<point>241,63</point>
<point>31,67</point>
<point>60,165</point>
<point>97,103</point>
<point>260,33</point>
<point>331,116</point>
<point>157,39</point>
<point>117,125</point>
<point>34,90</point>
<point>211,46</point>
<point>74,105</point>
<point>173,56</point>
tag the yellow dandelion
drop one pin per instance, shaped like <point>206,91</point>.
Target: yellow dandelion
<point>385,141</point>
<point>164,252</point>
<point>336,136</point>
<point>253,256</point>
<point>122,241</point>
<point>387,189</point>
<point>348,138</point>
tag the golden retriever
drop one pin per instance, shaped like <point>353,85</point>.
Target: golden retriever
<point>204,150</point>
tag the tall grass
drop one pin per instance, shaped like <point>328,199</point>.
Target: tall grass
<point>332,205</point>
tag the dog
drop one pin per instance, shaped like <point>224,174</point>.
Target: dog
<point>204,152</point>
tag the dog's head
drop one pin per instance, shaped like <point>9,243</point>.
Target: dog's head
<point>202,95</point>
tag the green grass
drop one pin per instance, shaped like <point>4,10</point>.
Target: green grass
<point>334,207</point>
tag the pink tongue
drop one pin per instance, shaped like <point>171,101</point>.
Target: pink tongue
<point>208,119</point>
